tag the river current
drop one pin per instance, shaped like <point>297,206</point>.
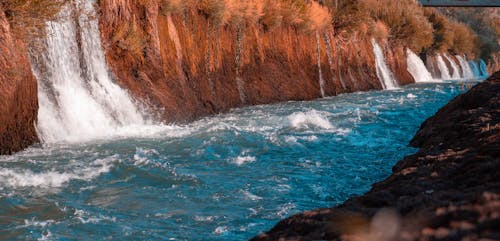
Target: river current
<point>225,177</point>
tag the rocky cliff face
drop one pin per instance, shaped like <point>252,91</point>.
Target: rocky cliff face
<point>184,66</point>
<point>396,59</point>
<point>18,93</point>
<point>449,190</point>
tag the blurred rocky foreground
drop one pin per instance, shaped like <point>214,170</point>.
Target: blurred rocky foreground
<point>449,190</point>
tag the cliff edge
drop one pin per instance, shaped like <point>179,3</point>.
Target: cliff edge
<point>449,190</point>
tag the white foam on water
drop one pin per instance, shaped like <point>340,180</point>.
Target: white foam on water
<point>411,96</point>
<point>19,178</point>
<point>205,218</point>
<point>384,73</point>
<point>284,209</point>
<point>34,223</point>
<point>84,217</point>
<point>250,225</point>
<point>221,230</point>
<point>417,69</point>
<point>310,138</point>
<point>309,119</point>
<point>141,156</point>
<point>241,160</point>
<point>46,236</point>
<point>250,196</point>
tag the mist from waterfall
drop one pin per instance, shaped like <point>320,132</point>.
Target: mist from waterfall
<point>384,74</point>
<point>417,69</point>
<point>78,101</point>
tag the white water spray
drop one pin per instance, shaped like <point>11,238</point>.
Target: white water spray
<point>77,97</point>
<point>466,70</point>
<point>454,67</point>
<point>417,69</point>
<point>384,74</point>
<point>445,73</point>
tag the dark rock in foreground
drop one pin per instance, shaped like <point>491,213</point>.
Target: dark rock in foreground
<point>449,190</point>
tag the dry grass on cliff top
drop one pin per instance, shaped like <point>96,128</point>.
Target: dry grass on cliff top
<point>269,14</point>
<point>27,17</point>
<point>210,27</point>
<point>403,22</point>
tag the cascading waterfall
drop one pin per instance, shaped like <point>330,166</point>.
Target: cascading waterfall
<point>78,100</point>
<point>384,74</point>
<point>483,68</point>
<point>431,67</point>
<point>320,72</point>
<point>445,73</point>
<point>466,70</point>
<point>454,67</point>
<point>475,68</point>
<point>416,68</point>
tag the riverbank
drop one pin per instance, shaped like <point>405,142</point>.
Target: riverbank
<point>448,190</point>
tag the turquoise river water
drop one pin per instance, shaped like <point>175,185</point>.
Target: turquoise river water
<point>225,177</point>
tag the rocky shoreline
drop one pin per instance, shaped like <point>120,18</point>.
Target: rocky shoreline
<point>449,190</point>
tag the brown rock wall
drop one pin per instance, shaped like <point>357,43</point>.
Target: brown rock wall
<point>18,93</point>
<point>186,67</point>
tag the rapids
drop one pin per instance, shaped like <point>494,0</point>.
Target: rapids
<point>226,177</point>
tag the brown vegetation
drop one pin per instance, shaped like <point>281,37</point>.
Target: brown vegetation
<point>27,17</point>
<point>485,22</point>
<point>451,35</point>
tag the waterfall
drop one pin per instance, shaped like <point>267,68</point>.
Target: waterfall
<point>320,72</point>
<point>78,100</point>
<point>475,68</point>
<point>416,68</point>
<point>384,74</point>
<point>431,67</point>
<point>454,67</point>
<point>445,73</point>
<point>466,70</point>
<point>483,68</point>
